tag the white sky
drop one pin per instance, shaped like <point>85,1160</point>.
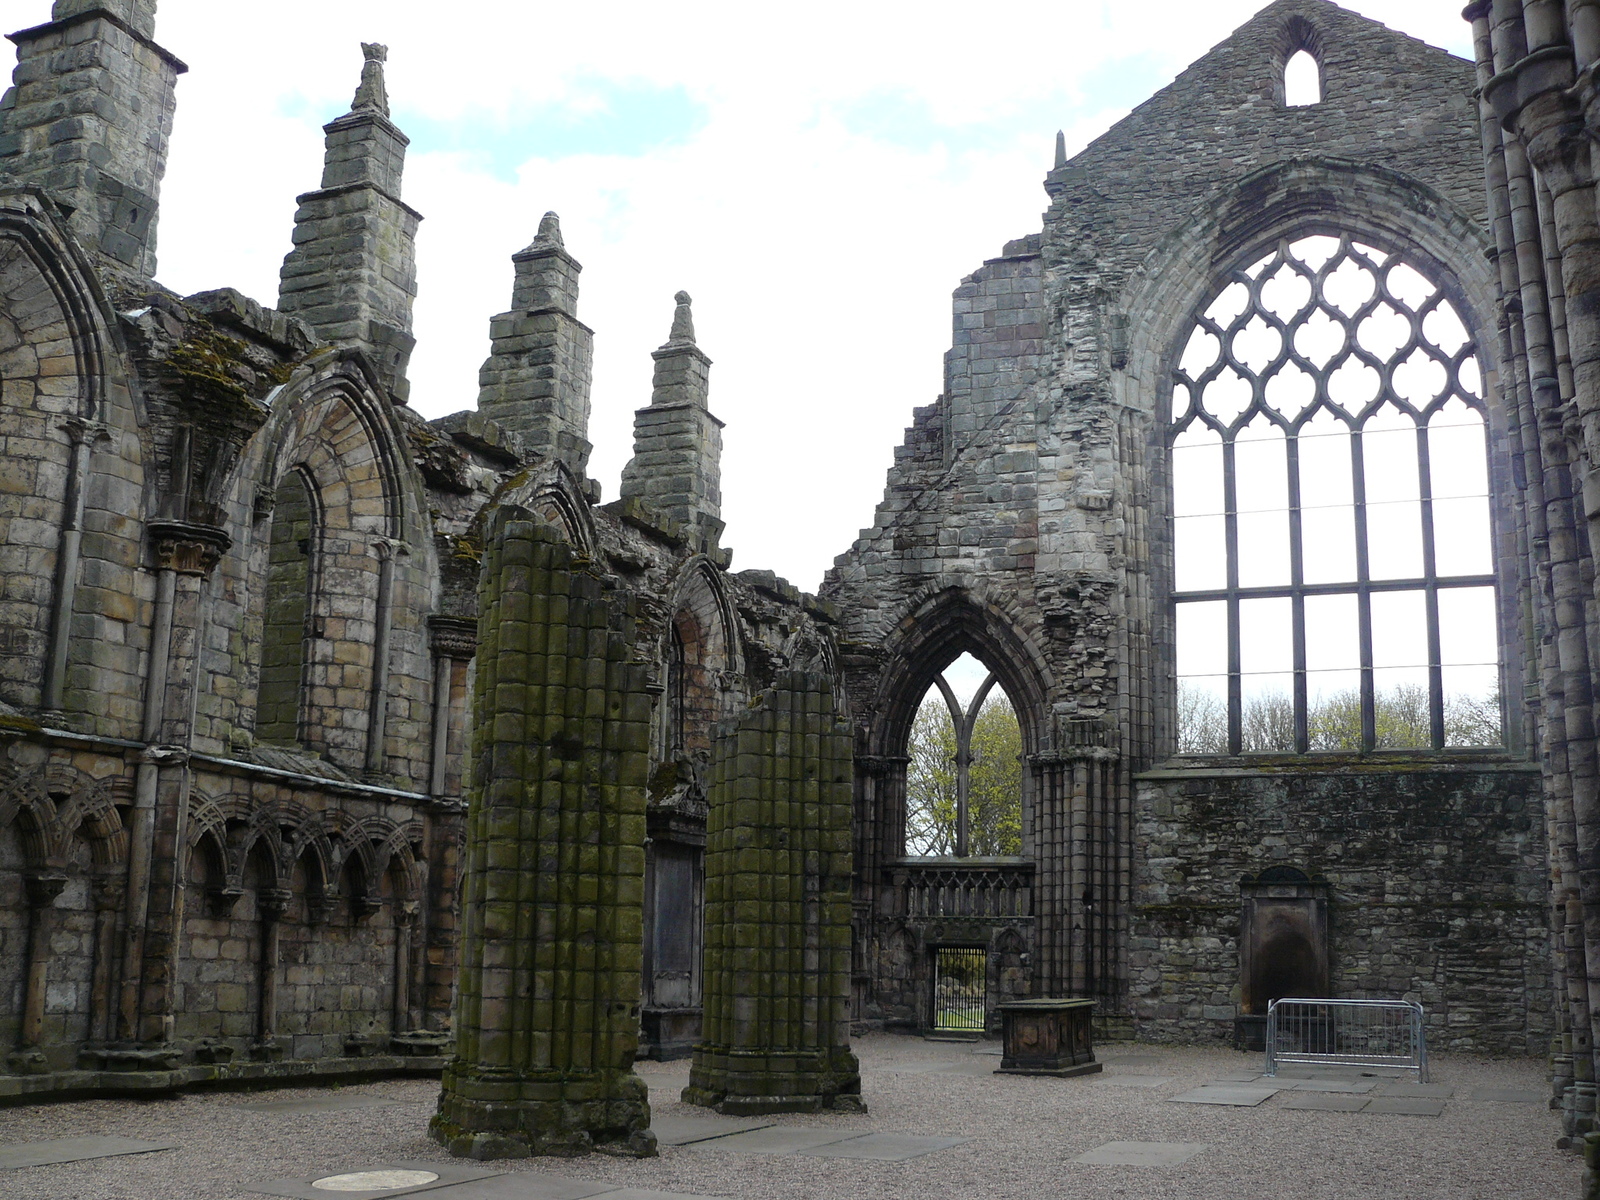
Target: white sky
<point>819,177</point>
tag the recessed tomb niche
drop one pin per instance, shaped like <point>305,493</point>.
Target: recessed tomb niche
<point>1283,945</point>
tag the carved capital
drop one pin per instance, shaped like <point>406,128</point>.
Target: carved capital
<point>187,548</point>
<point>272,902</point>
<point>44,887</point>
<point>453,637</point>
<point>82,431</point>
<point>109,892</point>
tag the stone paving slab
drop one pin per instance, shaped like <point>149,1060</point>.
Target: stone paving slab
<point>317,1104</point>
<point>1507,1096</point>
<point>446,1174</point>
<point>1353,1087</point>
<point>1324,1102</point>
<point>682,1131</point>
<point>775,1139</point>
<point>1141,1154</point>
<point>72,1149</point>
<point>1128,1060</point>
<point>1243,1075</point>
<point>1241,1095</point>
<point>1404,1106</point>
<point>884,1147</point>
<point>528,1185</point>
<point>1138,1081</point>
<point>1417,1091</point>
<point>518,1185</point>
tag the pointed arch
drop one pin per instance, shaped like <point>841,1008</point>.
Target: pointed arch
<point>938,625</point>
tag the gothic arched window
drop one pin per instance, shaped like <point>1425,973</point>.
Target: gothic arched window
<point>1333,567</point>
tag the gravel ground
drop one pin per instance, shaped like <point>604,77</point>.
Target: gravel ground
<point>1024,1131</point>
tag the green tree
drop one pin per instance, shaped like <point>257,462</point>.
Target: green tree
<point>994,793</point>
<point>1333,721</point>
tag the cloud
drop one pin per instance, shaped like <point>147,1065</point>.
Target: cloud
<point>819,177</point>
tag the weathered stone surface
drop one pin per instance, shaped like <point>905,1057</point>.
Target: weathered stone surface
<point>548,1008</point>
<point>777,954</point>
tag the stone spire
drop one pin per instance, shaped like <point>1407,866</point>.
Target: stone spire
<point>352,274</point>
<point>536,378</point>
<point>89,120</point>
<point>676,466</point>
<point>1061,148</point>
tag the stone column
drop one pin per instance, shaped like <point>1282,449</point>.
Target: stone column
<point>42,891</point>
<point>383,620</point>
<point>184,555</point>
<point>778,878</point>
<point>547,1017</point>
<point>454,640</point>
<point>405,922</point>
<point>110,894</point>
<point>270,906</point>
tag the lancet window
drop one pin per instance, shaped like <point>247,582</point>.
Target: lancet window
<point>1333,564</point>
<point>964,777</point>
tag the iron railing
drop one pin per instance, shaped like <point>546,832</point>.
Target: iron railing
<point>967,887</point>
<point>960,990</point>
<point>1352,1033</point>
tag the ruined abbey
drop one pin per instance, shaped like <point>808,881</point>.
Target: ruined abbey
<point>335,741</point>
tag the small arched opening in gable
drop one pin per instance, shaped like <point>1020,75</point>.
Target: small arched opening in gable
<point>1299,81</point>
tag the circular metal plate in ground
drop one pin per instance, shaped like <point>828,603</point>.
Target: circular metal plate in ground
<point>373,1181</point>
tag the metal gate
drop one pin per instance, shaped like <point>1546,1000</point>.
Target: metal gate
<point>960,990</point>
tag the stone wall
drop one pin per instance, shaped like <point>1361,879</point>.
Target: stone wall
<point>1026,520</point>
<point>1437,878</point>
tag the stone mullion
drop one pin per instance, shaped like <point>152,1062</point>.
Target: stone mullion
<point>565,713</point>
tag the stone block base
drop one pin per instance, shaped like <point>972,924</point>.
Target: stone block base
<point>563,1114</point>
<point>742,1083</point>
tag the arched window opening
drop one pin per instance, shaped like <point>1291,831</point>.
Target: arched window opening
<point>1302,80</point>
<point>691,697</point>
<point>287,607</point>
<point>964,777</point>
<point>1333,564</point>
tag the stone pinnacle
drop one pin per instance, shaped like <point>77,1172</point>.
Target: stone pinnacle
<point>372,96</point>
<point>682,321</point>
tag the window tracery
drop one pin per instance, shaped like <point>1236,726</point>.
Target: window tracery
<point>1333,567</point>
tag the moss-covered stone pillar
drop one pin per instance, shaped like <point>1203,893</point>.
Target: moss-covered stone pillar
<point>547,1010</point>
<point>777,914</point>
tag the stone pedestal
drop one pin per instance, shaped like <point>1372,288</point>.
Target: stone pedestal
<point>1048,1037</point>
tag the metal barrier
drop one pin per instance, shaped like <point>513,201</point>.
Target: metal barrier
<point>1352,1033</point>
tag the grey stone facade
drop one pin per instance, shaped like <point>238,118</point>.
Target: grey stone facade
<point>242,719</point>
<point>1027,520</point>
<point>239,621</point>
